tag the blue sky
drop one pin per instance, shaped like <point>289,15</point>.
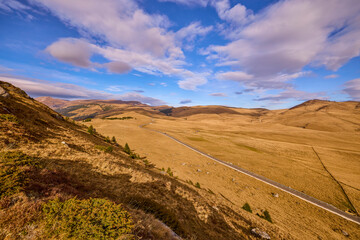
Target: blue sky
<point>250,53</point>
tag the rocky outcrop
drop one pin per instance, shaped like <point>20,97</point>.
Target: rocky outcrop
<point>260,233</point>
<point>3,93</point>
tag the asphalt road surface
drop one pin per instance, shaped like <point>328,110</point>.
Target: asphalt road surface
<point>298,194</point>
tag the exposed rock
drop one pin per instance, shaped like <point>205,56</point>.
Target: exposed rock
<point>3,93</point>
<point>275,195</point>
<point>346,234</point>
<point>163,172</point>
<point>64,143</point>
<point>260,233</point>
<point>198,170</point>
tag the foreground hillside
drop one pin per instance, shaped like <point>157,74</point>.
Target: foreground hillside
<point>60,181</point>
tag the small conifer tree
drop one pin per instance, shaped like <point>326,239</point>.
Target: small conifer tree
<point>107,139</point>
<point>127,149</point>
<point>91,130</point>
<point>169,172</point>
<point>113,139</point>
<point>247,207</point>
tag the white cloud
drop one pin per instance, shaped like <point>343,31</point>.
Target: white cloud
<point>291,34</point>
<point>14,6</point>
<point>71,50</point>
<point>238,14</point>
<point>11,5</point>
<point>237,76</point>
<point>292,94</point>
<point>352,88</point>
<point>218,94</point>
<point>118,67</point>
<point>185,101</point>
<point>37,88</point>
<point>119,22</point>
<point>192,82</point>
<point>331,76</point>
<point>133,38</point>
<point>190,33</point>
<point>278,81</point>
<point>202,3</point>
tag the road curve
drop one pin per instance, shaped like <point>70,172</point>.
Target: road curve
<point>298,194</point>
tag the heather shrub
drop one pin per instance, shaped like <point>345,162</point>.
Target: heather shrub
<point>92,218</point>
<point>9,118</point>
<point>107,149</point>
<point>14,166</point>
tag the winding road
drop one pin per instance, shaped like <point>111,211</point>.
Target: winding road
<point>298,194</point>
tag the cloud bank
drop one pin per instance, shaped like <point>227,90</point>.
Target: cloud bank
<point>38,88</point>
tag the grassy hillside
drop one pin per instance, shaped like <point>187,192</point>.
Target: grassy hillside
<point>58,181</point>
<point>279,152</point>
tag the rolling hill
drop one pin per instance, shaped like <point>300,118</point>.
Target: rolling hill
<point>49,164</point>
<point>313,114</point>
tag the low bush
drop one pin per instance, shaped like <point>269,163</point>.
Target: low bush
<point>170,172</point>
<point>91,130</point>
<point>87,219</point>
<point>107,149</point>
<point>197,184</point>
<point>87,120</point>
<point>130,152</point>
<point>247,207</point>
<point>9,118</point>
<point>116,118</point>
<point>266,216</point>
<point>14,166</point>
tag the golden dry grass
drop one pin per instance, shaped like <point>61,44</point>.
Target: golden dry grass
<point>279,152</point>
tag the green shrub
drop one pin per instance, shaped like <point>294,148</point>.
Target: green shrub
<point>170,172</point>
<point>87,120</point>
<point>121,118</point>
<point>113,140</point>
<point>9,118</point>
<point>91,130</point>
<point>107,139</point>
<point>107,149</point>
<point>197,184</point>
<point>127,149</point>
<point>247,207</point>
<point>13,171</point>
<point>87,219</point>
<point>266,216</point>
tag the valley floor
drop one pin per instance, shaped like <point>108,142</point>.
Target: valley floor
<point>322,164</point>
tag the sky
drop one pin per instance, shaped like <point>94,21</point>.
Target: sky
<point>246,53</point>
